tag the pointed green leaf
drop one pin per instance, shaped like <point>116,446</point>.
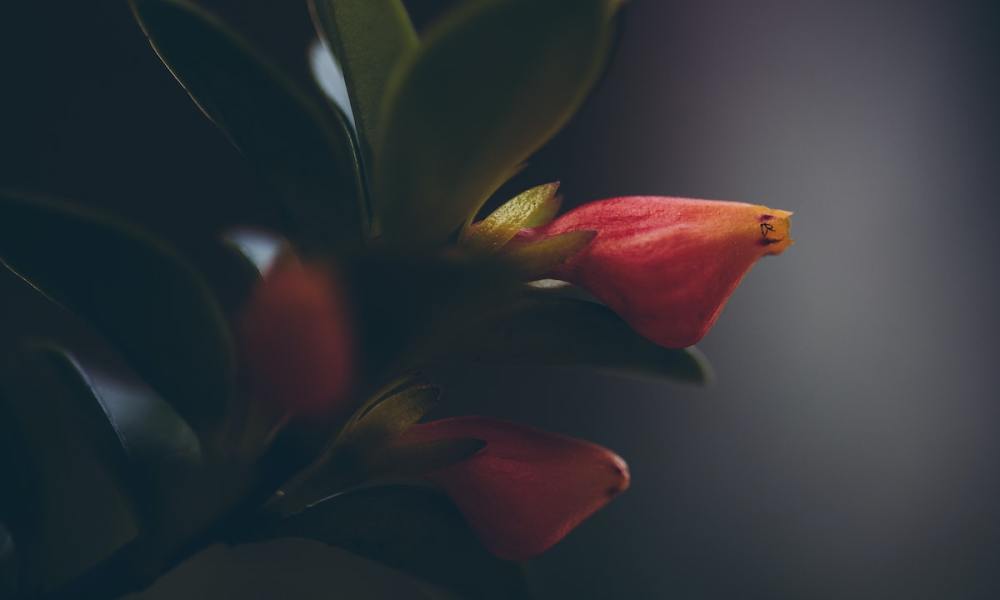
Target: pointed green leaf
<point>139,294</point>
<point>389,418</point>
<point>302,150</point>
<point>492,82</point>
<point>350,458</point>
<point>545,330</point>
<point>368,37</point>
<point>531,208</point>
<point>537,258</point>
<point>413,529</point>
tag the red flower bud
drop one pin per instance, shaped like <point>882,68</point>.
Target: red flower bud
<point>297,341</point>
<point>526,489</point>
<point>668,265</point>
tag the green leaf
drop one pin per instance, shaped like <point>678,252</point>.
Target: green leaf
<point>531,208</point>
<point>68,474</point>
<point>303,150</point>
<point>545,330</point>
<point>413,529</point>
<point>368,37</point>
<point>493,81</point>
<point>390,417</point>
<point>350,458</point>
<point>536,258</point>
<point>139,294</point>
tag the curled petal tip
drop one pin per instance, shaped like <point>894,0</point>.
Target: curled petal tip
<point>776,230</point>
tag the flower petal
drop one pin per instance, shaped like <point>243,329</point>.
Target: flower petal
<point>297,341</point>
<point>526,489</point>
<point>668,265</point>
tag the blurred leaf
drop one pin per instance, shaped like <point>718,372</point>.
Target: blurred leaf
<point>531,208</point>
<point>141,296</point>
<point>414,529</point>
<point>177,493</point>
<point>154,438</point>
<point>72,510</point>
<point>302,150</point>
<point>368,37</point>
<point>493,81</point>
<point>537,258</point>
<point>545,330</point>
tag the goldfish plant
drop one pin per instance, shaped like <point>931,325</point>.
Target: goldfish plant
<point>279,391</point>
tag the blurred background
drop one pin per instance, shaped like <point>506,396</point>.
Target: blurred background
<point>849,446</point>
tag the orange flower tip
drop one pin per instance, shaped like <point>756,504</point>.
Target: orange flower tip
<point>775,230</point>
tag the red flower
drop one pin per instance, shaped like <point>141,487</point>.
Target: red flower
<point>668,265</point>
<point>297,341</point>
<point>526,489</point>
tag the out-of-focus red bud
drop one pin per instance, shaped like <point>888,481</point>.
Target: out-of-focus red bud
<point>526,489</point>
<point>297,342</point>
<point>668,265</point>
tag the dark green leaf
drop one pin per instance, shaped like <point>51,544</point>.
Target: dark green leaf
<point>493,81</point>
<point>349,458</point>
<point>141,296</point>
<point>368,37</point>
<point>545,330</point>
<point>154,438</point>
<point>414,529</point>
<point>302,150</point>
<point>531,208</point>
<point>378,424</point>
<point>68,477</point>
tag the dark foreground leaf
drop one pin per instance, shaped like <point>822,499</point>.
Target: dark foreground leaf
<point>302,150</point>
<point>65,475</point>
<point>141,296</point>
<point>156,441</point>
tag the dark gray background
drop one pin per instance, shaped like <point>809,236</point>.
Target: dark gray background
<point>850,446</point>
